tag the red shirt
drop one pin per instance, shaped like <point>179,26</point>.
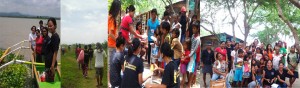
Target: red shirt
<point>187,60</point>
<point>223,52</point>
<point>198,54</point>
<point>39,44</point>
<point>126,21</point>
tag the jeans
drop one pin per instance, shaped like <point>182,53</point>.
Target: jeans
<point>111,52</point>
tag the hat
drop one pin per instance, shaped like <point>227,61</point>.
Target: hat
<point>183,9</point>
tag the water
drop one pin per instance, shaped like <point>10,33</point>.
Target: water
<point>14,30</point>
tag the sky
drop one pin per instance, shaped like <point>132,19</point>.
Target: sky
<point>225,27</point>
<point>84,21</point>
<point>32,7</point>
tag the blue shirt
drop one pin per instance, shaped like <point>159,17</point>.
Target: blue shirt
<point>152,27</point>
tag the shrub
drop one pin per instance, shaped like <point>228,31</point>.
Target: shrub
<point>15,75</point>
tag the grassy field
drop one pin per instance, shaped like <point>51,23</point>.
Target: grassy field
<point>72,77</point>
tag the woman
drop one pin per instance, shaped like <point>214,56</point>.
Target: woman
<point>46,39</point>
<point>32,37</point>
<point>38,49</point>
<point>112,29</point>
<point>221,49</point>
<point>269,75</point>
<point>153,24</point>
<point>133,66</point>
<point>282,74</point>
<point>269,51</point>
<point>220,69</point>
<point>140,31</point>
<point>170,77</point>
<point>50,62</point>
<point>127,25</point>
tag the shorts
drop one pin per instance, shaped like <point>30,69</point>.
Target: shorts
<point>183,68</point>
<point>111,52</point>
<point>296,75</point>
<point>207,69</point>
<point>195,70</point>
<point>99,72</point>
<point>238,75</point>
<point>246,74</point>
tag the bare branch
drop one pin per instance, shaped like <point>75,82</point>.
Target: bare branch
<point>295,3</point>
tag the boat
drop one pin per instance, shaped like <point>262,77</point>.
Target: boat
<point>37,68</point>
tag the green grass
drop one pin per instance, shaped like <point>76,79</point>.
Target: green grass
<point>72,77</point>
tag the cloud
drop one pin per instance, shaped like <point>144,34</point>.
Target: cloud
<point>32,7</point>
<point>84,21</point>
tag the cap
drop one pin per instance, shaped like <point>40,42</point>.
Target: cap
<point>183,9</point>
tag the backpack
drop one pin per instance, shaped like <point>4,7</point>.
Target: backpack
<point>80,58</point>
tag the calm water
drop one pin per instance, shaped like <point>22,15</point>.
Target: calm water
<point>14,30</point>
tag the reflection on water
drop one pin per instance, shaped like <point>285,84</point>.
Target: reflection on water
<point>14,30</point>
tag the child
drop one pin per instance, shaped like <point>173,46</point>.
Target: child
<point>246,70</point>
<point>165,28</point>
<point>99,53</point>
<point>177,25</point>
<point>176,46</point>
<point>184,62</point>
<point>238,69</point>
<point>154,47</point>
<point>195,44</point>
<point>116,63</point>
<point>259,54</point>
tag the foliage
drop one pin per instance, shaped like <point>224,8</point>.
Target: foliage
<point>16,76</point>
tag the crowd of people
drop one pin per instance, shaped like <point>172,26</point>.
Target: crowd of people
<point>171,45</point>
<point>45,47</point>
<point>84,57</point>
<point>250,66</point>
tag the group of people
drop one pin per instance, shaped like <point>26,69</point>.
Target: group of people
<point>44,47</point>
<point>251,66</point>
<point>84,57</point>
<point>171,46</point>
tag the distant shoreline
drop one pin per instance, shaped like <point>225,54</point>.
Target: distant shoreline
<point>38,17</point>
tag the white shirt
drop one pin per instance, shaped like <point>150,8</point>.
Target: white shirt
<point>174,26</point>
<point>32,38</point>
<point>99,58</point>
<point>258,56</point>
<point>233,55</point>
<point>276,59</point>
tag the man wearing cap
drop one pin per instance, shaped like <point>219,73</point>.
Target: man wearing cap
<point>184,23</point>
<point>207,59</point>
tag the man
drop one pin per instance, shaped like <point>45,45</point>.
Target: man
<point>229,49</point>
<point>207,59</point>
<point>282,51</point>
<point>293,60</point>
<point>99,63</point>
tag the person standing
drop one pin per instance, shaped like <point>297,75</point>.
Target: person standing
<point>45,41</point>
<point>99,54</point>
<point>116,63</point>
<point>50,62</point>
<point>184,23</point>
<point>114,11</point>
<point>207,59</point>
<point>38,49</point>
<point>229,49</point>
<point>32,37</point>
<point>293,61</point>
<point>91,55</point>
<point>153,24</point>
